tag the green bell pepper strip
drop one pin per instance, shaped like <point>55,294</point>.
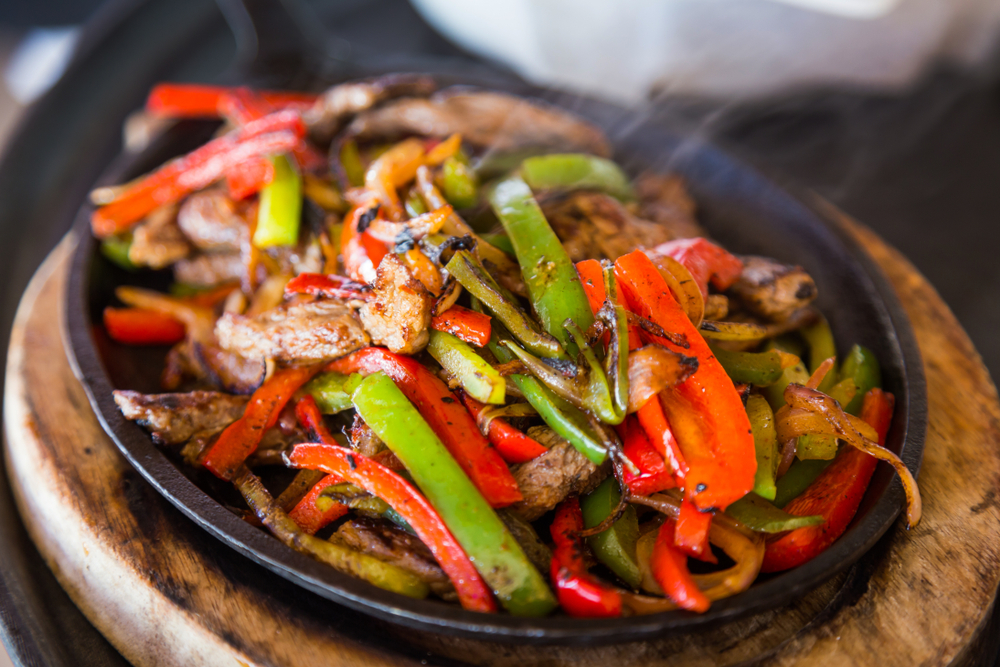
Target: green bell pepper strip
<point>558,414</point>
<point>757,368</point>
<point>615,547</point>
<point>501,241</point>
<point>332,391</point>
<point>862,366</point>
<point>470,273</point>
<point>493,550</point>
<point>765,442</point>
<point>458,184</point>
<point>361,565</point>
<point>350,160</point>
<point>819,337</point>
<point>415,204</point>
<point>116,248</point>
<point>280,206</point>
<point>577,171</point>
<point>588,388</point>
<point>775,393</point>
<point>603,390</point>
<point>816,446</point>
<point>551,279</point>
<point>762,516</point>
<point>797,479</point>
<point>480,380</point>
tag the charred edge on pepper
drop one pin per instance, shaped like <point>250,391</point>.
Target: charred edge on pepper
<point>367,217</point>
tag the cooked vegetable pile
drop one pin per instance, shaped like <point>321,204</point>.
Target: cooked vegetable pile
<point>467,356</point>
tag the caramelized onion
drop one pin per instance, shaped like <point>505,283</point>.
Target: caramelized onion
<point>811,409</point>
<point>682,285</point>
<point>653,368</point>
<point>199,321</point>
<point>746,550</point>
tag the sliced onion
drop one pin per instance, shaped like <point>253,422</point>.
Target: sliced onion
<point>198,321</point>
<point>858,434</point>
<point>747,552</point>
<point>820,373</point>
<point>653,368</point>
<point>416,228</point>
<point>682,285</point>
<point>491,412</point>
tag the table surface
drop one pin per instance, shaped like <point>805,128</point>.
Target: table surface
<point>918,166</point>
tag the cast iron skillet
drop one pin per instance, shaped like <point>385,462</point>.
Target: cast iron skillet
<point>742,209</point>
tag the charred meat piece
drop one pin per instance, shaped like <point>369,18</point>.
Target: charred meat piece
<point>228,371</point>
<point>340,103</point>
<point>555,475</point>
<point>594,225</point>
<point>293,333</point>
<point>665,201</point>
<point>772,290</point>
<point>211,221</point>
<point>210,269</point>
<point>157,241</point>
<point>363,438</point>
<point>174,418</point>
<point>491,120</point>
<point>393,545</point>
<point>399,311</point>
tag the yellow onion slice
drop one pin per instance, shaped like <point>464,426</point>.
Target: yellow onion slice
<point>811,411</point>
<point>653,368</point>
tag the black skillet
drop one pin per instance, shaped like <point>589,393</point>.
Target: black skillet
<point>745,211</point>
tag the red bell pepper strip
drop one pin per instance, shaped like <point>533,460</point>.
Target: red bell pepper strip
<point>448,418</point>
<point>187,100</point>
<point>243,105</point>
<point>141,326</point>
<point>705,260</point>
<point>704,411</point>
<point>691,532</point>
<point>276,133</point>
<point>835,494</point>
<point>579,593</point>
<point>653,474</point>
<point>409,504</point>
<point>670,570</point>
<point>362,253</point>
<point>654,423</point>
<point>240,439</point>
<point>512,445</point>
<point>472,327</point>
<point>325,285</point>
<point>248,177</point>
<point>309,517</point>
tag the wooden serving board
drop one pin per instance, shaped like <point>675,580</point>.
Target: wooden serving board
<point>166,593</point>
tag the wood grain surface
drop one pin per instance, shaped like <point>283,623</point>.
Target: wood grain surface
<point>166,593</point>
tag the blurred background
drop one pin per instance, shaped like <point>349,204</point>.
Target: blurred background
<point>888,108</point>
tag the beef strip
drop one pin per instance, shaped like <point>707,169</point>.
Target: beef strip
<point>665,201</point>
<point>211,221</point>
<point>399,312</point>
<point>772,290</point>
<point>496,121</point>
<point>157,241</point>
<point>306,332</point>
<point>210,269</point>
<point>339,103</point>
<point>547,480</point>
<point>228,371</point>
<point>593,225</point>
<point>175,418</point>
<point>393,545</point>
